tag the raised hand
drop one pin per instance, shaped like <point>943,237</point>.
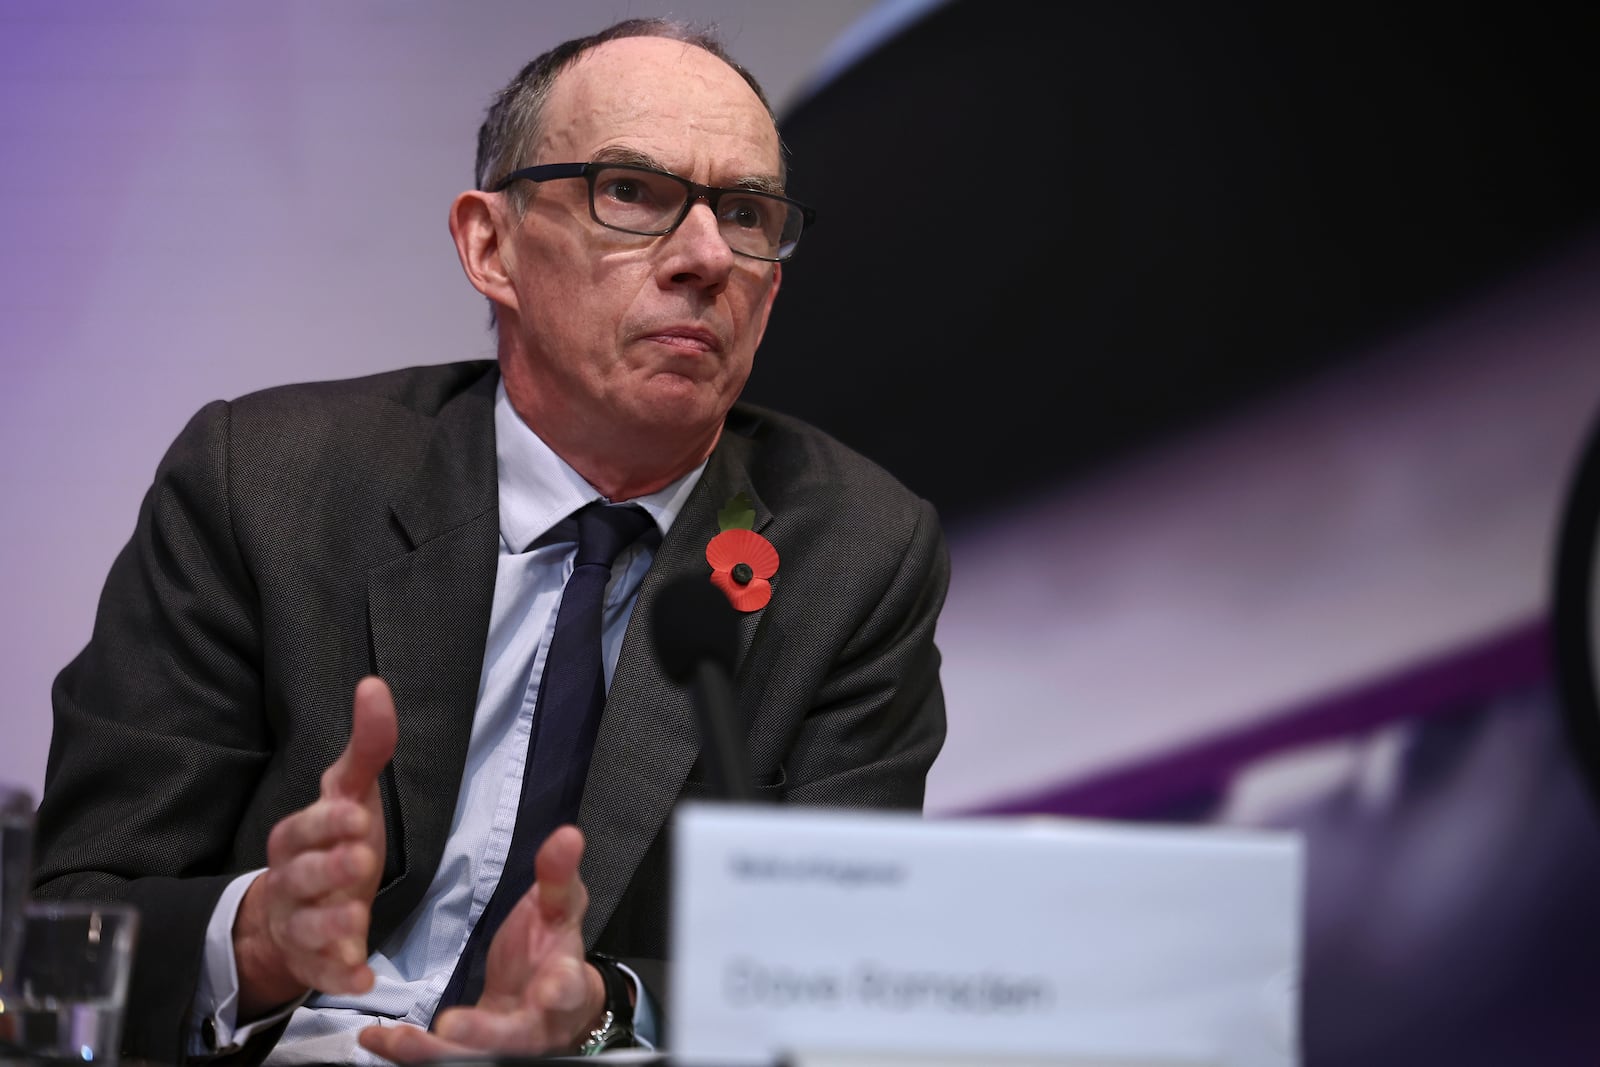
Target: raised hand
<point>539,994</point>
<point>303,923</point>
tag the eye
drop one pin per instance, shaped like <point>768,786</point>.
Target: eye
<point>625,191</point>
<point>747,213</point>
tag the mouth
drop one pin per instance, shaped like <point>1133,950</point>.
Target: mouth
<point>686,338</point>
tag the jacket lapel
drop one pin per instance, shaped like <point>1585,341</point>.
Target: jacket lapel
<point>648,737</point>
<point>429,612</point>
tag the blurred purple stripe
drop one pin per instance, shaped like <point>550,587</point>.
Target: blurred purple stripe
<point>1459,681</point>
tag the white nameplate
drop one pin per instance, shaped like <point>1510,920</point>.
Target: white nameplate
<point>823,935</point>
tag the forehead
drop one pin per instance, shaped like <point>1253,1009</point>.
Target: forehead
<point>672,101</point>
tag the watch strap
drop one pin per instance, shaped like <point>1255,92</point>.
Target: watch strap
<point>616,1024</point>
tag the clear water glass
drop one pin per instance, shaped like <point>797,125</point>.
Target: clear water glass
<point>16,867</point>
<point>72,981</point>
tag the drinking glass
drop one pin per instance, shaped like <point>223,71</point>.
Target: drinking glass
<point>72,981</point>
<point>16,867</point>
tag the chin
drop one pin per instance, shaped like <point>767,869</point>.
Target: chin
<point>675,397</point>
<point>681,414</point>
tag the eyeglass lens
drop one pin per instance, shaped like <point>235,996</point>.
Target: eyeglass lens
<point>643,201</point>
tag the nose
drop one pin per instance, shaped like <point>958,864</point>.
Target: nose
<point>696,252</point>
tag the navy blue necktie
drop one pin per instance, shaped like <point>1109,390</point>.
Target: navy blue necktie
<point>566,720</point>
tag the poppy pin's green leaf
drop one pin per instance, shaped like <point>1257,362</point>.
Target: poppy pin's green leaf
<point>737,514</point>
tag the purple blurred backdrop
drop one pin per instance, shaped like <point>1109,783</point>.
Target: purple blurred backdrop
<point>200,200</point>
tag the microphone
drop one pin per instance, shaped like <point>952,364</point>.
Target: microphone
<point>697,641</point>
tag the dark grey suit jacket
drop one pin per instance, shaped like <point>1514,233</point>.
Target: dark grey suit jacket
<point>298,539</point>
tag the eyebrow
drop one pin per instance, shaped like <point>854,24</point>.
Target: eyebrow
<point>632,157</point>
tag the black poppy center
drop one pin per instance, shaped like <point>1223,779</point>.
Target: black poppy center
<point>742,573</point>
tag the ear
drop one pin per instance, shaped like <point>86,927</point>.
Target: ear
<point>476,224</point>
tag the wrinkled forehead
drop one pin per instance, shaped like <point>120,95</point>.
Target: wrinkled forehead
<point>670,100</point>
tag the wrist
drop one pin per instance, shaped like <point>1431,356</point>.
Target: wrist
<point>613,1027</point>
<point>265,981</point>
<point>596,998</point>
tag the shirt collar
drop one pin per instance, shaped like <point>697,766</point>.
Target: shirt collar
<point>538,489</point>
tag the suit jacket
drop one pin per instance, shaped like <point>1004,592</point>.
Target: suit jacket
<point>298,539</point>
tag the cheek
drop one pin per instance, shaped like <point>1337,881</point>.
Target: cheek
<point>755,302</point>
<point>736,370</point>
<point>580,316</point>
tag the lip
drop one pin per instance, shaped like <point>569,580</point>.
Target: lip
<point>685,336</point>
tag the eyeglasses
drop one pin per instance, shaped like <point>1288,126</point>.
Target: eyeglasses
<point>652,203</point>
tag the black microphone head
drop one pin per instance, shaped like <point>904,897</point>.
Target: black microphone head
<point>693,623</point>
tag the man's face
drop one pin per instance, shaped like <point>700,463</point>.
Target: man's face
<point>646,339</point>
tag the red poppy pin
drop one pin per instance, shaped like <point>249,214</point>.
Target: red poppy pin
<point>742,561</point>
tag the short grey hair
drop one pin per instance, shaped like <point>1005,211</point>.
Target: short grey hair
<point>514,119</point>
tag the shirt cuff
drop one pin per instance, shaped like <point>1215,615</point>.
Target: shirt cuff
<point>214,1014</point>
<point>645,1011</point>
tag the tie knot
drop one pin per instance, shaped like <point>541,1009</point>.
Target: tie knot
<point>604,530</point>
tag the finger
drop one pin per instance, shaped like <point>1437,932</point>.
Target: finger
<point>324,951</point>
<point>561,894</point>
<point>405,1043</point>
<point>513,956</point>
<point>322,825</point>
<point>526,1032</point>
<point>337,931</point>
<point>374,730</point>
<point>528,969</point>
<point>335,976</point>
<point>340,837</point>
<point>312,876</point>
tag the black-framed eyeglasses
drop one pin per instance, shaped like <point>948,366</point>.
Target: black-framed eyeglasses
<point>652,203</point>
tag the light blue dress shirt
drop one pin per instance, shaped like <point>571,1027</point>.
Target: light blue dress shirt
<point>538,494</point>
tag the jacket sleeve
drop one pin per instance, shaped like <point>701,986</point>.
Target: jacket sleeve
<point>159,734</point>
<point>878,718</point>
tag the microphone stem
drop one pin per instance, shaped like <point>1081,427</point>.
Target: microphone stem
<point>723,749</point>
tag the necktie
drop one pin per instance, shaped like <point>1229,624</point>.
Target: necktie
<point>566,720</point>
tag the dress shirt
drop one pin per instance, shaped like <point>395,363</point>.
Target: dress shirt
<point>538,492</point>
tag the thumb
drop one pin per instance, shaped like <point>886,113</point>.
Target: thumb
<point>562,896</point>
<point>373,732</point>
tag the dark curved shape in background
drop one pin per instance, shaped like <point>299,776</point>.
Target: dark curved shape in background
<point>1573,611</point>
<point>1052,234</point>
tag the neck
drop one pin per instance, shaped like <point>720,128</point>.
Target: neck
<point>621,462</point>
<point>624,480</point>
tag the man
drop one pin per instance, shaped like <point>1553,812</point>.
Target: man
<point>305,873</point>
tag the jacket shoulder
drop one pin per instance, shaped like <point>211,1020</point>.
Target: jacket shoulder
<point>379,417</point>
<point>789,456</point>
<point>423,391</point>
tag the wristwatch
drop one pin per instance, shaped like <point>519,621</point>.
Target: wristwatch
<point>616,1025</point>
